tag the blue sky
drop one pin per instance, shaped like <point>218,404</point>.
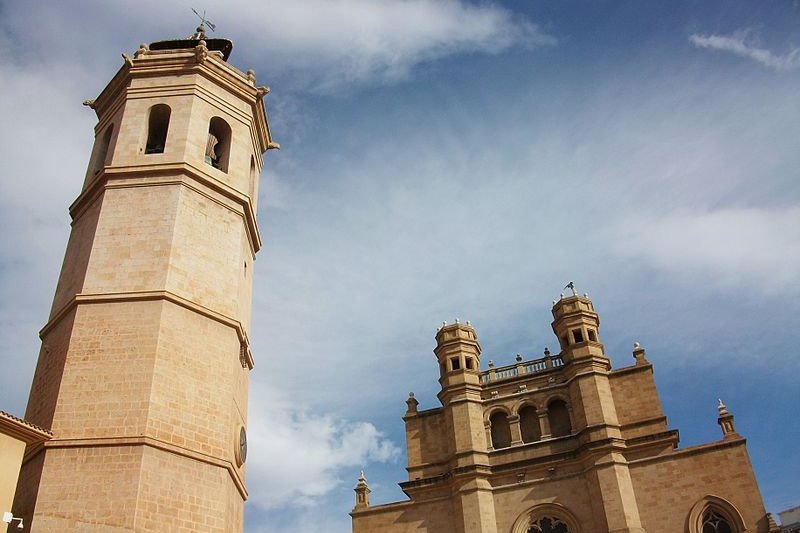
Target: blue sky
<point>451,158</point>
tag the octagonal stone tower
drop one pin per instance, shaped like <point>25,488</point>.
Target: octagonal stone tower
<point>143,372</point>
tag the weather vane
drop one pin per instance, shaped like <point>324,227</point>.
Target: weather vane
<point>571,286</point>
<point>204,21</point>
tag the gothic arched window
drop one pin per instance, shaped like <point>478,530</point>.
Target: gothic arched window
<point>546,518</point>
<point>712,514</point>
<point>548,524</point>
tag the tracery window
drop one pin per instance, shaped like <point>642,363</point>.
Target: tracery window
<point>547,524</point>
<point>713,522</point>
<point>546,518</point>
<point>712,514</point>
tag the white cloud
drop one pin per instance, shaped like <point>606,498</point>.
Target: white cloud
<point>726,247</point>
<point>345,41</point>
<point>326,45</point>
<point>312,449</point>
<point>744,45</point>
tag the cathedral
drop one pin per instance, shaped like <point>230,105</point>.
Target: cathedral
<point>142,378</point>
<point>560,444</point>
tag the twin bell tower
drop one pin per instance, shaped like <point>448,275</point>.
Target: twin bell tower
<point>143,372</point>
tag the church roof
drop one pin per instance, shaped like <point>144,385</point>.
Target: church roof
<point>22,429</point>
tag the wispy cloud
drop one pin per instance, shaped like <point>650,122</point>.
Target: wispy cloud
<point>727,247</point>
<point>365,41</point>
<point>743,44</point>
<point>323,45</point>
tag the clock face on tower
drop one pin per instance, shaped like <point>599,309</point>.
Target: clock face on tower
<point>241,448</point>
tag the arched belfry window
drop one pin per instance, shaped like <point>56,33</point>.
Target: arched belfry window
<point>501,430</point>
<point>558,416</point>
<point>218,144</point>
<point>529,424</point>
<point>157,127</point>
<point>100,154</point>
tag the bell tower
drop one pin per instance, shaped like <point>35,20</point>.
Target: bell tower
<point>143,372</point>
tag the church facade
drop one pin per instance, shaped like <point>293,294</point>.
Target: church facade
<point>560,444</point>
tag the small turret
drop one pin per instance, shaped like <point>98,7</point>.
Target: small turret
<point>725,421</point>
<point>577,326</point>
<point>362,493</point>
<point>458,353</point>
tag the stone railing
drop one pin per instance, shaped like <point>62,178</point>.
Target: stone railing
<point>521,368</point>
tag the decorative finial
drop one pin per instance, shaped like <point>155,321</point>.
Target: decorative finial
<point>721,407</point>
<point>491,363</point>
<point>251,76</point>
<point>586,295</point>
<point>518,358</point>
<point>444,323</point>
<point>636,345</point>
<point>143,49</point>
<point>457,322</point>
<point>469,323</point>
<point>546,351</point>
<point>412,403</point>
<point>201,51</point>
